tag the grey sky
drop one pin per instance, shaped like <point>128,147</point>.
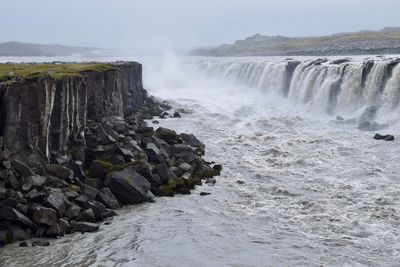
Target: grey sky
<point>184,23</point>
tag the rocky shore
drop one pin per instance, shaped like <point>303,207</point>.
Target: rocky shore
<point>74,147</point>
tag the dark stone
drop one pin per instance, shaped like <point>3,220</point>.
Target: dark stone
<point>164,172</point>
<point>57,201</point>
<point>87,216</point>
<point>6,164</point>
<point>107,198</point>
<point>125,153</point>
<point>77,168</point>
<point>185,152</point>
<point>153,153</point>
<point>38,180</point>
<point>90,192</point>
<point>177,114</point>
<point>128,186</point>
<point>12,215</point>
<point>3,193</point>
<point>85,227</point>
<point>42,215</point>
<point>34,195</point>
<point>60,171</point>
<point>204,193</point>
<point>23,244</point>
<point>192,140</point>
<point>27,185</point>
<point>73,212</point>
<point>168,135</point>
<point>217,167</point>
<point>40,244</point>
<point>22,168</point>
<point>82,200</point>
<point>9,202</point>
<point>15,184</point>
<point>385,137</point>
<point>98,209</point>
<point>55,230</point>
<point>71,195</point>
<point>65,226</point>
<point>16,233</point>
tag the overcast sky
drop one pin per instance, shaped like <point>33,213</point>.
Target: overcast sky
<point>184,23</point>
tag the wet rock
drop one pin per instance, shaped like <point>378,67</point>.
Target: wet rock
<point>40,243</point>
<point>153,153</point>
<point>107,198</point>
<point>55,230</point>
<point>35,195</point>
<point>57,201</point>
<point>90,192</point>
<point>22,168</point>
<point>177,114</point>
<point>217,167</point>
<point>82,200</point>
<point>73,212</point>
<point>3,193</point>
<point>42,215</point>
<point>77,168</point>
<point>13,181</point>
<point>87,216</point>
<point>192,141</point>
<point>204,193</point>
<point>385,137</point>
<point>38,180</point>
<point>168,135</point>
<point>240,182</point>
<point>16,233</point>
<point>185,152</point>
<point>163,172</point>
<point>164,191</point>
<point>6,164</point>
<point>60,171</point>
<point>65,226</point>
<point>12,215</point>
<point>211,181</point>
<point>85,227</point>
<point>23,244</point>
<point>128,186</point>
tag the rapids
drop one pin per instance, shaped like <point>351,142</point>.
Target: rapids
<point>297,188</point>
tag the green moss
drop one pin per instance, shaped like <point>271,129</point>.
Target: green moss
<point>110,167</point>
<point>10,72</point>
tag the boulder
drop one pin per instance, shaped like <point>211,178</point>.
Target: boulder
<point>55,230</point>
<point>57,201</point>
<point>177,114</point>
<point>185,152</point>
<point>191,140</point>
<point>60,171</point>
<point>35,195</point>
<point>85,227</point>
<point>38,180</point>
<point>107,198</point>
<point>153,153</point>
<point>16,233</point>
<point>164,172</point>
<point>22,168</point>
<point>168,135</point>
<point>42,215</point>
<point>128,186</point>
<point>73,212</point>
<point>87,216</point>
<point>90,192</point>
<point>13,181</point>
<point>12,215</point>
<point>385,137</point>
<point>40,243</point>
<point>3,193</point>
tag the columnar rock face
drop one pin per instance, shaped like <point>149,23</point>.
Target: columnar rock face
<point>49,114</point>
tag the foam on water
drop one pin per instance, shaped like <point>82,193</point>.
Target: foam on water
<point>297,189</point>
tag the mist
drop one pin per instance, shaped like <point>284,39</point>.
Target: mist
<point>155,24</point>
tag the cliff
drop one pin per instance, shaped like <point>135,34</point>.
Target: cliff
<point>49,111</point>
<point>75,147</point>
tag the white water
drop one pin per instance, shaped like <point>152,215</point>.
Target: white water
<point>315,192</point>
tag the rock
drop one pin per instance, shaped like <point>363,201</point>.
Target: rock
<point>192,140</point>
<point>3,174</point>
<point>164,172</point>
<point>6,164</point>
<point>27,185</point>
<point>185,152</point>
<point>42,215</point>
<point>155,122</point>
<point>107,198</point>
<point>73,212</point>
<point>87,216</point>
<point>34,195</point>
<point>211,181</point>
<point>90,192</point>
<point>126,154</point>
<point>3,193</point>
<point>168,135</point>
<point>16,233</point>
<point>65,226</point>
<point>150,197</point>
<point>186,167</point>
<point>55,230</point>
<point>177,114</point>
<point>217,167</point>
<point>153,153</point>
<point>99,169</point>
<point>60,171</point>
<point>164,191</point>
<point>204,193</point>
<point>22,168</point>
<point>40,244</point>
<point>9,202</point>
<point>15,184</point>
<point>12,215</point>
<point>23,244</point>
<point>204,171</point>
<point>38,180</point>
<point>240,182</point>
<point>57,201</point>
<point>82,200</point>
<point>77,168</point>
<point>128,186</point>
<point>386,137</point>
<point>85,227</point>
<point>186,176</point>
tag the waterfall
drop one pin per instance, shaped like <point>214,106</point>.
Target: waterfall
<point>331,85</point>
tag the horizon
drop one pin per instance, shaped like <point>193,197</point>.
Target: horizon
<point>156,25</point>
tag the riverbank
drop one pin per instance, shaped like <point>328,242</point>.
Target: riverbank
<point>75,147</point>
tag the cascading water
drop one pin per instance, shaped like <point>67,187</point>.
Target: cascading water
<point>333,86</point>
<point>297,188</point>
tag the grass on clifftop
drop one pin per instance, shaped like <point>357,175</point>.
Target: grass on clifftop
<point>13,71</point>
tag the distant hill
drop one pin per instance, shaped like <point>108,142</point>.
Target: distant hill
<point>385,41</point>
<point>40,50</point>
